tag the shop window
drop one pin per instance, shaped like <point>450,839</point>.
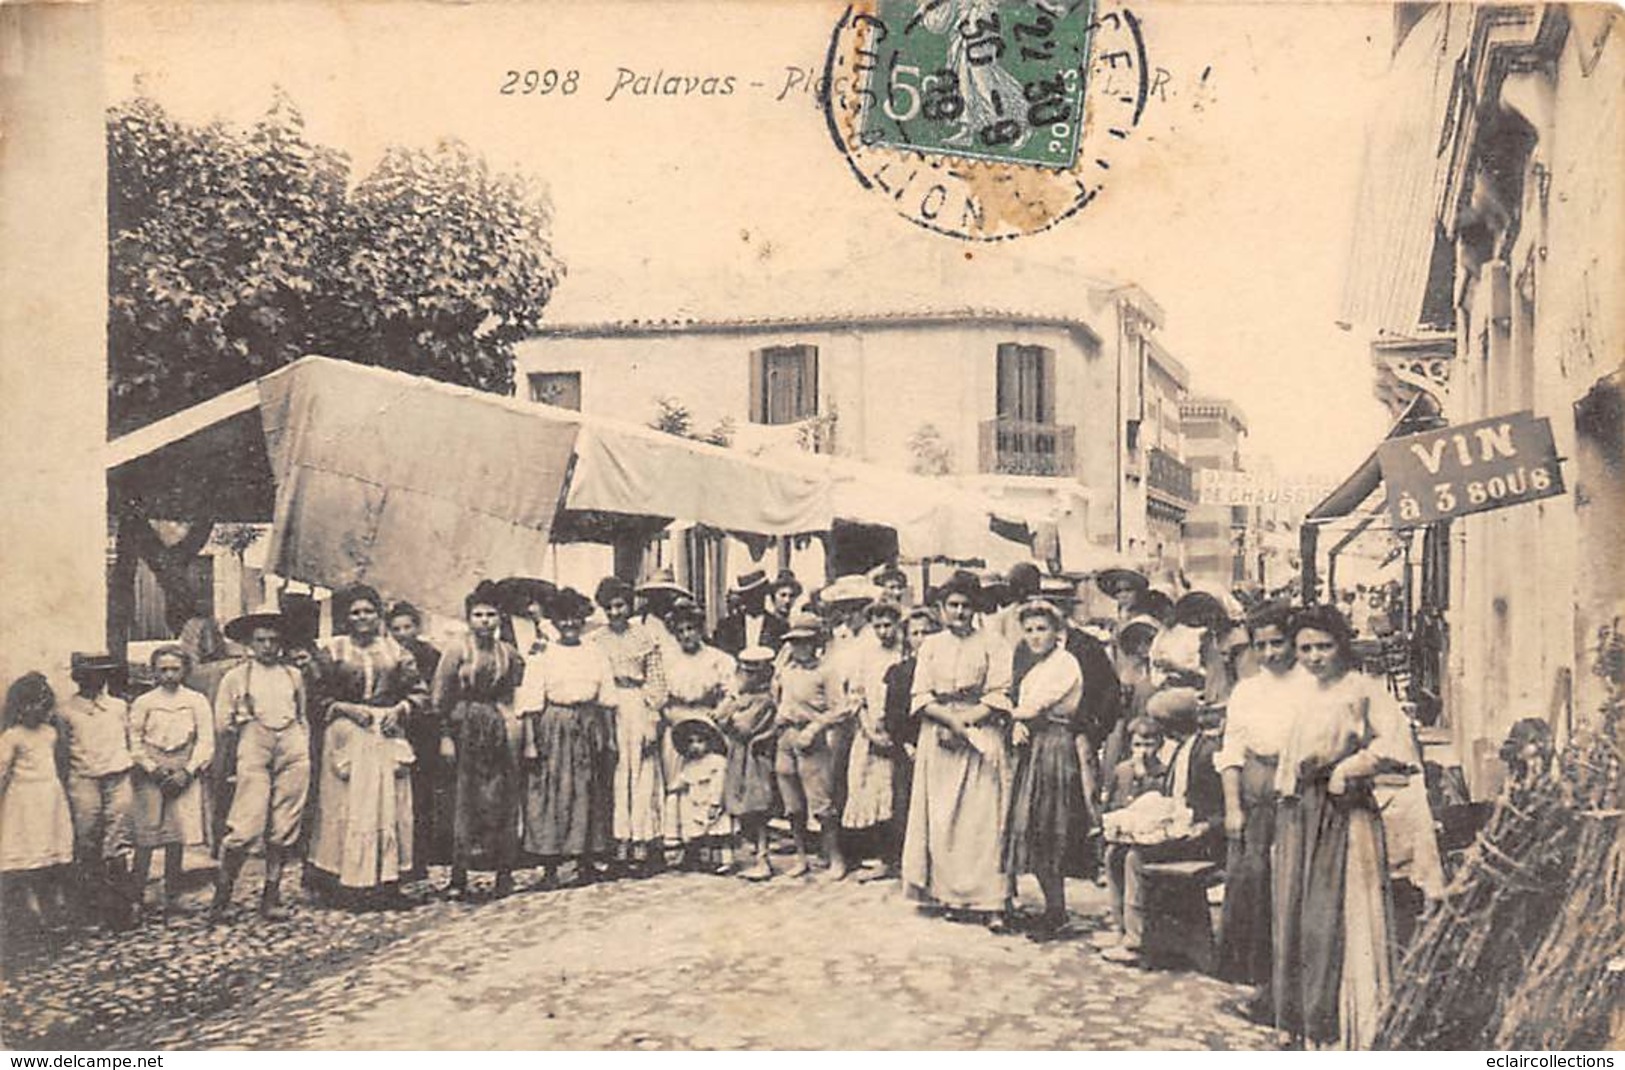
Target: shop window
<point>562,389</point>
<point>784,384</point>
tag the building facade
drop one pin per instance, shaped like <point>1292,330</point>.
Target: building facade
<point>1223,543</point>
<point>1017,405</point>
<point>1520,311</point>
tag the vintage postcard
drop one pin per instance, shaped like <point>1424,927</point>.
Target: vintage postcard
<point>910,524</point>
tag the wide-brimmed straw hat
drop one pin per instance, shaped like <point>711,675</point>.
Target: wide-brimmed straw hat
<point>756,657</point>
<point>1112,580</point>
<point>804,626</point>
<point>663,583</point>
<point>1039,607</point>
<point>684,731</point>
<point>241,630</point>
<point>848,589</point>
<point>1202,609</point>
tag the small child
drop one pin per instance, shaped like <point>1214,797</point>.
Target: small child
<point>748,720</point>
<point>703,825</point>
<point>1142,773</point>
<point>36,827</point>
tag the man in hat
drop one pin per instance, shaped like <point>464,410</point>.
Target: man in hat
<point>1124,586</point>
<point>751,624</point>
<point>93,729</point>
<point>264,700</point>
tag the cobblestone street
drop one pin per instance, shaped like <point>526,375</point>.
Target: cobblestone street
<point>680,961</point>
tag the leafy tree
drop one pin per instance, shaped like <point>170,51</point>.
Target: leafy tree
<point>233,251</point>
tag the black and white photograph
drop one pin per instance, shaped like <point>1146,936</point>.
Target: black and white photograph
<point>1087,525</point>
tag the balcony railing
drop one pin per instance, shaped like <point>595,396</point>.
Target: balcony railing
<point>1025,448</point>
<point>1171,477</point>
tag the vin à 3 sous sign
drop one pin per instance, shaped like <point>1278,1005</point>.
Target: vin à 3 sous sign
<point>1470,468</point>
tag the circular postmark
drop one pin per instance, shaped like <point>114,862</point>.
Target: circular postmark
<point>984,119</point>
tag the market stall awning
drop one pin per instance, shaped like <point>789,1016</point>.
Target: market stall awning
<point>422,488</point>
<point>635,470</point>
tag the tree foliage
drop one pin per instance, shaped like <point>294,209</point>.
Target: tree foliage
<point>235,250</point>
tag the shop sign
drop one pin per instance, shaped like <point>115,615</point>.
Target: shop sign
<point>1470,468</point>
<point>1221,487</point>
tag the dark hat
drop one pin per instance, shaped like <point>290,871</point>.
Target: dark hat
<point>1139,623</point>
<point>611,588</point>
<point>1174,705</point>
<point>750,581</point>
<point>1025,579</point>
<point>517,593</point>
<point>569,604</point>
<point>1112,580</point>
<point>99,662</point>
<point>241,630</point>
<point>1199,609</point>
<point>961,582</point>
<point>1155,604</point>
<point>994,592</point>
<point>786,578</point>
<point>684,731</point>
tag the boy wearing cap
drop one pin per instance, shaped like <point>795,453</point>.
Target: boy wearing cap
<point>751,624</point>
<point>808,698</point>
<point>747,718</point>
<point>264,701</point>
<point>93,726</point>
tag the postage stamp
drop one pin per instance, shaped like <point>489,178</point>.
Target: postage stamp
<point>985,120</point>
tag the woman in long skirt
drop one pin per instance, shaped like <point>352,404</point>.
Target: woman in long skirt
<point>1257,723</point>
<point>473,695</point>
<point>1049,816</point>
<point>369,690</point>
<point>698,678</point>
<point>1334,951</point>
<point>568,733</point>
<point>640,691</point>
<point>952,854</point>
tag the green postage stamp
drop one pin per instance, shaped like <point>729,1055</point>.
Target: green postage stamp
<point>993,81</point>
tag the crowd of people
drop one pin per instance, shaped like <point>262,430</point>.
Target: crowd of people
<point>957,740</point>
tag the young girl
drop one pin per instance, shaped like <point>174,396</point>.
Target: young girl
<point>36,829</point>
<point>172,741</point>
<point>748,720</point>
<point>703,824</point>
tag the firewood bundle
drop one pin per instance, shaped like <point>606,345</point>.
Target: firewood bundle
<point>1525,951</point>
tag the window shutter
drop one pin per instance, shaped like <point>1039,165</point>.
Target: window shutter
<point>809,382</point>
<point>1046,398</point>
<point>758,387</point>
<point>1008,381</point>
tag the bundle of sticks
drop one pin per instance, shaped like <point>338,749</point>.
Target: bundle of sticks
<point>1525,949</point>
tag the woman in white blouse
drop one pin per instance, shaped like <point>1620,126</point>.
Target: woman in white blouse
<point>1258,721</point>
<point>952,853</point>
<point>1333,951</point>
<point>1049,819</point>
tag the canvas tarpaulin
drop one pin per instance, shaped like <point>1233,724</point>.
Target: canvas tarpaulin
<point>413,486</point>
<point>629,470</point>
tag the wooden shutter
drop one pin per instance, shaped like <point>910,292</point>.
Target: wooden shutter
<point>758,387</point>
<point>808,359</point>
<point>1026,383</point>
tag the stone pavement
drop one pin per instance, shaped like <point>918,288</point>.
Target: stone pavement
<point>679,961</point>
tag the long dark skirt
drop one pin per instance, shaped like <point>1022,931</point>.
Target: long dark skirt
<point>434,798</point>
<point>485,818</point>
<point>1244,942</point>
<point>569,795</point>
<point>1311,877</point>
<point>1048,830</point>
